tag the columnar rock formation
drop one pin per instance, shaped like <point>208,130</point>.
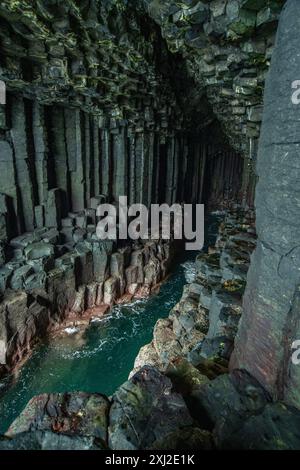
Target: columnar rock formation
<point>160,101</point>
<point>97,107</point>
<point>271,321</point>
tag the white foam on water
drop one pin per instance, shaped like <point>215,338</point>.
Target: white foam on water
<point>72,330</point>
<point>218,213</point>
<point>189,268</point>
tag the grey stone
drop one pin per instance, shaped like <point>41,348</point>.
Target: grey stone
<point>136,421</point>
<point>19,276</point>
<point>38,250</point>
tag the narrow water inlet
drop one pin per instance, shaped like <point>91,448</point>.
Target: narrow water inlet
<point>101,358</point>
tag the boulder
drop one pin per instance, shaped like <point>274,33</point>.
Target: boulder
<point>46,440</point>
<point>225,402</point>
<point>73,414</point>
<point>39,250</point>
<point>145,410</point>
<point>276,428</point>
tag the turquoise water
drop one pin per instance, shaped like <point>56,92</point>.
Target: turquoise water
<point>100,359</point>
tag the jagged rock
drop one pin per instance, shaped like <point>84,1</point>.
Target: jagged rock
<point>19,276</point>
<point>269,323</point>
<point>53,209</point>
<point>147,356</point>
<point>38,250</point>
<point>165,342</point>
<point>152,272</point>
<point>185,439</point>
<point>111,290</point>
<point>185,377</point>
<point>224,403</point>
<point>5,276</point>
<point>276,428</point>
<point>145,410</point>
<point>78,414</point>
<point>223,308</point>
<point>39,440</point>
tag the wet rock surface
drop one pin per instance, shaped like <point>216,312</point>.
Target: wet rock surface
<point>228,46</point>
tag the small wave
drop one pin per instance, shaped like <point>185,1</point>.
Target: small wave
<point>83,353</point>
<point>189,268</point>
<point>72,330</point>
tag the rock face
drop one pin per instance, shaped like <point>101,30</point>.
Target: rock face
<point>227,46</point>
<point>145,411</point>
<point>181,395</point>
<point>97,107</point>
<point>156,100</point>
<point>84,284</point>
<point>203,325</point>
<point>70,414</point>
<point>271,305</point>
<point>93,109</point>
<point>39,440</point>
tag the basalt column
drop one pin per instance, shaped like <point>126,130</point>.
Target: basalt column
<point>271,319</point>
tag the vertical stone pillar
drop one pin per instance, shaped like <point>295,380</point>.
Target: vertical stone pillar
<point>184,167</point>
<point>88,157</point>
<point>271,319</point>
<point>150,167</point>
<point>132,167</point>
<point>202,172</point>
<point>197,159</point>
<point>96,155</point>
<point>120,163</point>
<point>170,169</point>
<point>140,174</point>
<point>105,161</point>
<point>75,158</point>
<point>156,167</point>
<point>59,153</point>
<point>22,163</point>
<point>41,151</point>
<point>8,186</point>
<point>175,169</point>
<point>245,179</point>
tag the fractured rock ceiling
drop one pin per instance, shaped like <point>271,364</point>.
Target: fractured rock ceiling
<point>107,58</point>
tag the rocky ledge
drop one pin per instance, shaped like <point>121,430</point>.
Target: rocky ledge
<point>180,394</point>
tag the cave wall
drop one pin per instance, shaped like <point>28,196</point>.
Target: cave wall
<point>270,322</point>
<point>102,101</point>
<point>90,111</point>
<point>96,105</point>
<point>227,46</point>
